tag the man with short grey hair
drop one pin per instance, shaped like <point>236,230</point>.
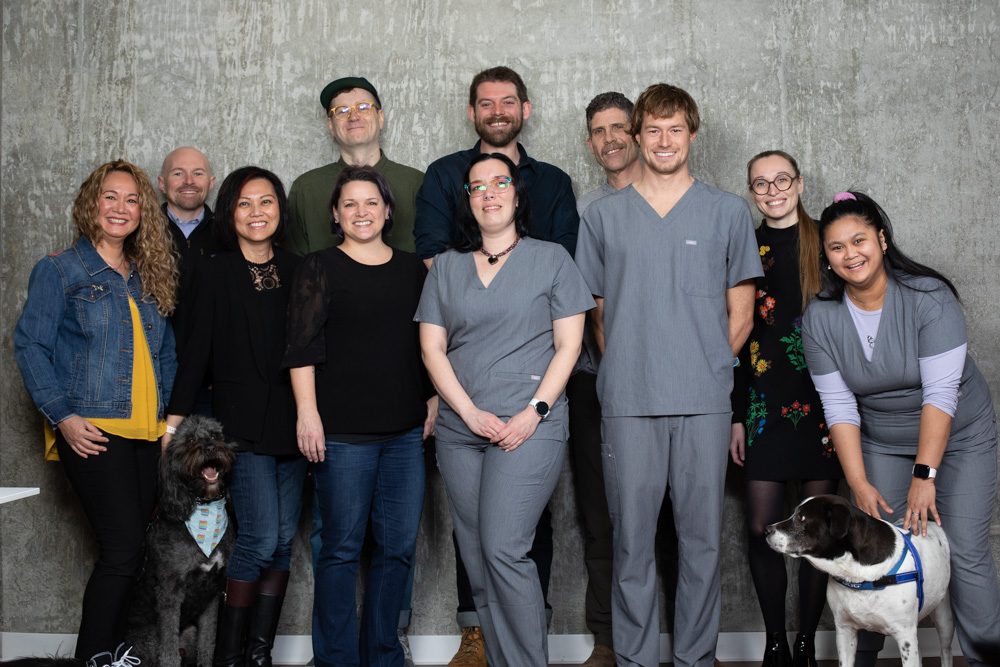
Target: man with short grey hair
<point>355,119</point>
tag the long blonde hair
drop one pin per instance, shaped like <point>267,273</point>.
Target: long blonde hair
<point>150,246</point>
<point>809,250</point>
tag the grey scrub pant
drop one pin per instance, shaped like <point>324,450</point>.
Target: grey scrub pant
<point>496,498</point>
<point>965,490</point>
<point>642,455</point>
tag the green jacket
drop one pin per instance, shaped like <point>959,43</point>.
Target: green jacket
<point>310,201</point>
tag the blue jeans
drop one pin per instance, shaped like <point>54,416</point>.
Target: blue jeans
<point>267,498</point>
<point>384,480</point>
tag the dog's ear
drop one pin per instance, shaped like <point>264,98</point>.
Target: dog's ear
<point>838,515</point>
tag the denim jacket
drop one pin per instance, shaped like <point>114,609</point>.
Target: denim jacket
<point>73,341</point>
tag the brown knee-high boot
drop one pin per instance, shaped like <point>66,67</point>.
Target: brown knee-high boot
<point>264,622</point>
<point>234,615</point>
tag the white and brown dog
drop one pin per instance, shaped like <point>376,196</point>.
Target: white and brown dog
<point>881,577</point>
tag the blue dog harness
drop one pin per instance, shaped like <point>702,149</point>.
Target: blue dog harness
<point>916,575</point>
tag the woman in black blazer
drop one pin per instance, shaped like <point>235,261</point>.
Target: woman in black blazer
<point>237,334</point>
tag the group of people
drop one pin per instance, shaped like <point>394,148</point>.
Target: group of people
<point>644,329</point>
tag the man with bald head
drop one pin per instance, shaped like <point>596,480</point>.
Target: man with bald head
<point>186,180</point>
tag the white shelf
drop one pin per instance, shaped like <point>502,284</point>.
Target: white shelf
<point>9,493</point>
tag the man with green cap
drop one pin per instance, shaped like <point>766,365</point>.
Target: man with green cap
<point>355,119</point>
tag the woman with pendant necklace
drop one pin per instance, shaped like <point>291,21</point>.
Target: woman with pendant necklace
<point>237,334</point>
<point>501,325</point>
<point>97,355</point>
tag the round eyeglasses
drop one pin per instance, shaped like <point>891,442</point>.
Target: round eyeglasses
<point>343,112</point>
<point>781,182</point>
<point>478,188</point>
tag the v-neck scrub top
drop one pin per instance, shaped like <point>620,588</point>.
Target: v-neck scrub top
<point>664,282</point>
<point>914,324</point>
<point>500,337</point>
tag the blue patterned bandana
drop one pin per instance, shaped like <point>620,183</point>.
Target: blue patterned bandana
<point>208,524</point>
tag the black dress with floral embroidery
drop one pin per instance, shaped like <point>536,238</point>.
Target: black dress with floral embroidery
<point>773,394</point>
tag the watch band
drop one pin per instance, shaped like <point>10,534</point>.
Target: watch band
<point>540,406</point>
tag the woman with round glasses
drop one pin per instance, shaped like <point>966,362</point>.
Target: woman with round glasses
<point>779,434</point>
<point>501,325</point>
<point>364,409</point>
<point>910,413</point>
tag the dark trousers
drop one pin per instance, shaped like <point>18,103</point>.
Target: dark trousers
<point>117,489</point>
<point>591,498</point>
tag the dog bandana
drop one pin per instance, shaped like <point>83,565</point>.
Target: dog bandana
<point>894,576</point>
<point>208,524</point>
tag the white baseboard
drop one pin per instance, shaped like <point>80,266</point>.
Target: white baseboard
<point>439,649</point>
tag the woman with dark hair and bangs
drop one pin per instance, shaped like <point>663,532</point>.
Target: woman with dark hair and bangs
<point>501,326</point>
<point>365,407</point>
<point>910,414</point>
<point>779,434</point>
<point>237,333</point>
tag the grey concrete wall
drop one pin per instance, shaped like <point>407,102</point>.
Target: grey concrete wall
<point>897,98</point>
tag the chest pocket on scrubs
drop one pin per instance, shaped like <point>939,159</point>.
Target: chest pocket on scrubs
<point>703,268</point>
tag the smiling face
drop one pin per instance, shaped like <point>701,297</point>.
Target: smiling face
<point>855,251</point>
<point>779,208</point>
<point>185,181</point>
<point>117,207</point>
<point>613,148</point>
<point>355,130</point>
<point>498,113</point>
<point>361,212</point>
<point>664,143</point>
<point>494,210</point>
<point>256,217</point>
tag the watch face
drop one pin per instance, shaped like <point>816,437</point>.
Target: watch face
<point>542,408</point>
<point>921,471</point>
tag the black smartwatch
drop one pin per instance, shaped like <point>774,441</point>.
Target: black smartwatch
<point>541,407</point>
<point>920,471</point>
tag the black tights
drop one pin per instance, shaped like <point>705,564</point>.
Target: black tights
<point>764,506</point>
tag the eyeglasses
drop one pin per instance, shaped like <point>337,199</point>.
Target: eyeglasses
<point>782,182</point>
<point>478,188</point>
<point>343,112</point>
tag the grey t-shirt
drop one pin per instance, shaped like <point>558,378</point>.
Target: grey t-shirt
<point>597,193</point>
<point>914,324</point>
<point>664,282</point>
<point>500,337</point>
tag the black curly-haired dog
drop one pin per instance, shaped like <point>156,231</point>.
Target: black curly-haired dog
<point>174,614</point>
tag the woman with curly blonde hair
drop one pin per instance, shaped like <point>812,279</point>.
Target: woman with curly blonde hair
<point>97,355</point>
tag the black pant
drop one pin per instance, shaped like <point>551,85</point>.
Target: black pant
<point>117,489</point>
<point>591,498</point>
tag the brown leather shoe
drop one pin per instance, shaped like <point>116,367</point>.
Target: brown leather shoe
<point>472,650</point>
<point>602,656</point>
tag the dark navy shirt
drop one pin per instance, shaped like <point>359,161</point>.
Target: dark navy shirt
<point>553,206</point>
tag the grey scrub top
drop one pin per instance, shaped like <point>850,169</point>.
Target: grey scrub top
<point>914,324</point>
<point>500,338</point>
<point>664,282</point>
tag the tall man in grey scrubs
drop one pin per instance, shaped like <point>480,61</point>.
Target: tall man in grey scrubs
<point>672,262</point>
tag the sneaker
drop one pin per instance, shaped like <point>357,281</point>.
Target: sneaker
<point>472,650</point>
<point>106,659</point>
<point>404,641</point>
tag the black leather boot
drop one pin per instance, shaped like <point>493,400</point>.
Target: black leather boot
<point>267,611</point>
<point>234,615</point>
<point>804,651</point>
<point>776,653</point>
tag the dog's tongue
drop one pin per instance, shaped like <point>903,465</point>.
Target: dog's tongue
<point>210,474</point>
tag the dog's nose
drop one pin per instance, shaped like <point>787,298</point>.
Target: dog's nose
<point>768,530</point>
